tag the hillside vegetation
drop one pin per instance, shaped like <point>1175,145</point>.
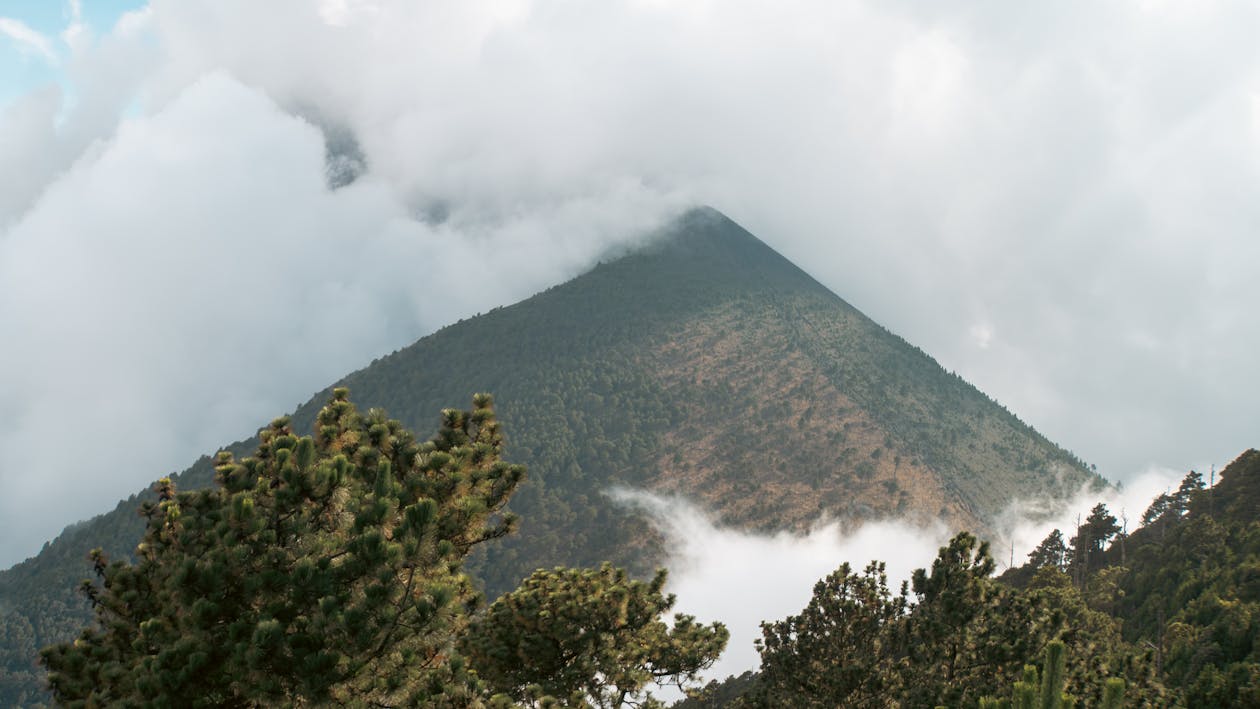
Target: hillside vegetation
<point>703,363</point>
<point>1166,616</point>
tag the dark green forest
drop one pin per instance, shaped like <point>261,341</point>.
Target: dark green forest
<point>702,363</point>
<point>329,570</point>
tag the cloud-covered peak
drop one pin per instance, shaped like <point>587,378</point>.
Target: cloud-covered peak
<point>1053,201</point>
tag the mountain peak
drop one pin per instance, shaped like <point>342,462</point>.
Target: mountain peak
<point>705,235</point>
<point>702,364</point>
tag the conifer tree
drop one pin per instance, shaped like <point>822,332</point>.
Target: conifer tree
<point>1190,486</point>
<point>1090,541</point>
<point>321,570</point>
<point>588,637</point>
<point>1044,690</point>
<point>843,648</point>
<point>1052,552</point>
<point>966,630</point>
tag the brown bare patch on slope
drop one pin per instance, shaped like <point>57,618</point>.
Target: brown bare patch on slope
<point>768,442</point>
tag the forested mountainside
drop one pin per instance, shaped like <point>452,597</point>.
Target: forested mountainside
<point>1169,613</point>
<point>703,363</point>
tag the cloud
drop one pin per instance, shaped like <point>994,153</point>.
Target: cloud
<point>165,296</point>
<point>743,578</point>
<point>77,33</point>
<point>28,41</point>
<point>1071,177</point>
<point>43,133</point>
<point>1025,523</point>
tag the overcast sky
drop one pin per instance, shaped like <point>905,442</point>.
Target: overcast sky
<point>1056,200</point>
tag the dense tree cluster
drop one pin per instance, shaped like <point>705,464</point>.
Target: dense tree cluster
<point>329,570</point>
<point>953,637</point>
<point>1166,616</point>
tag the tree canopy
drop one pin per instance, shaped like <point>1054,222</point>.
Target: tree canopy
<point>954,637</point>
<point>591,636</point>
<point>319,569</point>
<point>329,570</point>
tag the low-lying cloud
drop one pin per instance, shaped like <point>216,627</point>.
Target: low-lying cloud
<point>1053,200</point>
<point>1026,523</point>
<point>743,578</point>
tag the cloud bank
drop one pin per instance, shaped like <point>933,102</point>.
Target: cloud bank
<point>745,578</point>
<point>1055,201</point>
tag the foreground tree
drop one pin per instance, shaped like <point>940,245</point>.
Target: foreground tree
<point>856,644</point>
<point>320,570</point>
<point>955,637</point>
<point>843,649</point>
<point>588,636</point>
<point>1044,690</point>
<point>966,630</point>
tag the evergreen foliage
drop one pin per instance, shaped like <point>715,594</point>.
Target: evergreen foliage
<point>593,636</point>
<point>1190,588</point>
<point>1044,689</point>
<point>845,647</point>
<point>1091,539</point>
<point>954,637</point>
<point>857,644</point>
<point>1052,552</point>
<point>319,570</point>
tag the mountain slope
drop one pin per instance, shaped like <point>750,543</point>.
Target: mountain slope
<point>704,363</point>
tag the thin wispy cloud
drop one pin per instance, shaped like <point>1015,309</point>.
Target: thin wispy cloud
<point>28,41</point>
<point>76,31</point>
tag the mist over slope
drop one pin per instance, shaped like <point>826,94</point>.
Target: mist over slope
<point>703,364</point>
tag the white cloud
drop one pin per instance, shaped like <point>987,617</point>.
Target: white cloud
<point>1078,174</point>
<point>339,13</point>
<point>165,296</point>
<point>1027,522</point>
<point>742,578</point>
<point>27,40</point>
<point>77,34</point>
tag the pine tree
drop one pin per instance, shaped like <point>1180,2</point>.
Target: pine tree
<point>322,569</point>
<point>966,630</point>
<point>856,644</point>
<point>1052,552</point>
<point>1091,539</point>
<point>588,636</point>
<point>843,648</point>
<point>1190,486</point>
<point>1044,690</point>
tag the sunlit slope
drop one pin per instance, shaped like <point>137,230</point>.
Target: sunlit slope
<point>704,363</point>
